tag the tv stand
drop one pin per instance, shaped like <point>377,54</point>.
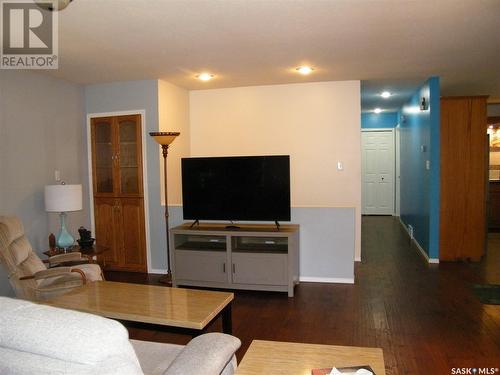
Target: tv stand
<point>196,222</point>
<point>233,227</point>
<point>255,257</point>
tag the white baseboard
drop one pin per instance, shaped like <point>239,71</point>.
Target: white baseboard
<point>420,249</point>
<point>326,280</point>
<point>159,271</point>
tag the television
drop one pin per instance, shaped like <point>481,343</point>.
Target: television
<point>248,188</point>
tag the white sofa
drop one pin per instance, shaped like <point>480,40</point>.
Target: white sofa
<point>39,339</point>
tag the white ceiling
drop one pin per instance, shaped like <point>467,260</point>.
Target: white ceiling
<point>258,42</point>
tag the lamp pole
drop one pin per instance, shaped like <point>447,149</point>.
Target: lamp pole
<point>167,279</point>
<point>165,139</point>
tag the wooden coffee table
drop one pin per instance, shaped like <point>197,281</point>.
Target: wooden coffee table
<point>291,358</point>
<point>156,306</point>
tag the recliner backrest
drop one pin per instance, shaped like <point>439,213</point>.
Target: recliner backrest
<point>18,257</point>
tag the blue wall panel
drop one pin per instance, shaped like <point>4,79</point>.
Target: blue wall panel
<point>381,120</point>
<point>420,186</point>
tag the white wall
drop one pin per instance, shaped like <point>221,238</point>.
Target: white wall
<point>41,129</point>
<point>317,124</point>
<point>173,107</point>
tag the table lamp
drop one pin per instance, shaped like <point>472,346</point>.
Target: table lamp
<point>164,139</point>
<point>63,198</point>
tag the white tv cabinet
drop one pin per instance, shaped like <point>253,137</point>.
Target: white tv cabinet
<point>256,257</point>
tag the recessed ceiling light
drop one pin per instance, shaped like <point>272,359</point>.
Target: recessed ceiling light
<point>205,76</point>
<point>386,94</point>
<point>377,110</point>
<point>304,70</point>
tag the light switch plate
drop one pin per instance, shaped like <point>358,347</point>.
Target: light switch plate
<point>340,166</point>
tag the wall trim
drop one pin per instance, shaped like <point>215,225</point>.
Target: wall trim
<point>158,271</point>
<point>141,112</point>
<point>377,129</point>
<point>357,259</point>
<point>337,280</point>
<point>420,249</point>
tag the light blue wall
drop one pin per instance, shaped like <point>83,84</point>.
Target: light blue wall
<point>420,141</point>
<point>381,120</point>
<point>138,95</point>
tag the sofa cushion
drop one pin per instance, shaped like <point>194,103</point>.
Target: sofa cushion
<point>155,357</point>
<point>64,335</point>
<point>212,352</point>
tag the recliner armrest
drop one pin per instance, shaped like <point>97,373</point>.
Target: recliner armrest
<point>55,272</point>
<point>67,257</point>
<point>208,354</point>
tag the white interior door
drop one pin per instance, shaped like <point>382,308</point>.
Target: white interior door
<point>378,172</point>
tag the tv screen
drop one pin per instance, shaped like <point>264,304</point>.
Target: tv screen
<point>254,188</point>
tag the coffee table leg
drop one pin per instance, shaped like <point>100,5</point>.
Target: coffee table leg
<point>227,320</point>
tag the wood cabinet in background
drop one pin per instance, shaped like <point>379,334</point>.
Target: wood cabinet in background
<point>118,192</point>
<point>464,166</point>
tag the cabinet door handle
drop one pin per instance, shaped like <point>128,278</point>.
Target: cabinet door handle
<point>234,268</point>
<point>224,267</point>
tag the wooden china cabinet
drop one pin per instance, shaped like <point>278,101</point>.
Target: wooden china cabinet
<point>118,191</point>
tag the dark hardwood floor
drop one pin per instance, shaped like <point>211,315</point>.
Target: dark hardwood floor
<point>425,317</point>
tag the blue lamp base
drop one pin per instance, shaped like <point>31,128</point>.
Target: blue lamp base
<point>64,239</point>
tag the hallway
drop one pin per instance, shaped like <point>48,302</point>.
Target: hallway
<point>425,317</point>
<point>431,319</point>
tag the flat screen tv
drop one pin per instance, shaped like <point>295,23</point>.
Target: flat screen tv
<point>253,188</point>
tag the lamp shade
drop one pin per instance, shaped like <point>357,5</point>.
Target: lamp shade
<point>63,198</point>
<point>164,138</point>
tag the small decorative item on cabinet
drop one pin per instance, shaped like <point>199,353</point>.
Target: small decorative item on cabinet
<point>86,241</point>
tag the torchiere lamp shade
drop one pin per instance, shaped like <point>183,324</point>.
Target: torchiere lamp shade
<point>164,138</point>
<point>63,198</point>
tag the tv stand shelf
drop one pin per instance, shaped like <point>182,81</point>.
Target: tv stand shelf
<point>255,257</point>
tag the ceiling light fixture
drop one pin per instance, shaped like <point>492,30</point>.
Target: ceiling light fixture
<point>205,76</point>
<point>377,110</point>
<point>386,94</point>
<point>304,70</point>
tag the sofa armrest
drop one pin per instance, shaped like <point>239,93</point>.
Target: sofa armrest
<point>208,354</point>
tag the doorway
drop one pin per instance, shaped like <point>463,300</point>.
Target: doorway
<point>377,171</point>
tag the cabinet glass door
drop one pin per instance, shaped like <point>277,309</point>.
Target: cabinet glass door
<point>129,154</point>
<point>103,155</point>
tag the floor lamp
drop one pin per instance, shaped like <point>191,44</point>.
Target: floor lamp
<point>164,139</point>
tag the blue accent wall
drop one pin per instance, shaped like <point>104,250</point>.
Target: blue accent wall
<point>381,120</point>
<point>420,142</point>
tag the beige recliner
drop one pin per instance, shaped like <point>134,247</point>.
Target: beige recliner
<point>29,276</point>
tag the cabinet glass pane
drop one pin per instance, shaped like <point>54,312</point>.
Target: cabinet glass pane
<point>104,180</point>
<point>103,156</point>
<point>129,176</point>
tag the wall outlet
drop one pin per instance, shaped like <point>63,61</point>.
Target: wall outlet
<point>410,230</point>
<point>340,166</point>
